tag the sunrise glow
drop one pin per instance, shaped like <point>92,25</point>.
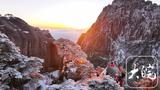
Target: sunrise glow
<point>49,14</point>
<point>73,14</point>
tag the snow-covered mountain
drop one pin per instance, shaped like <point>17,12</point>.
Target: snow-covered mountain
<point>124,28</point>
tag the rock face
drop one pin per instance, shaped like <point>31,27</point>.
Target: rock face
<point>19,72</point>
<point>124,28</point>
<point>31,41</point>
<point>74,60</point>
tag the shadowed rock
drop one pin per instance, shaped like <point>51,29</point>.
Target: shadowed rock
<point>31,40</point>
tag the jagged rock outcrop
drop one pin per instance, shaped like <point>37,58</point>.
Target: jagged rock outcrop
<point>74,60</point>
<point>124,28</point>
<point>19,72</point>
<point>31,41</point>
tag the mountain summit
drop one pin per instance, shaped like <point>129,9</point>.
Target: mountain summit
<point>124,28</point>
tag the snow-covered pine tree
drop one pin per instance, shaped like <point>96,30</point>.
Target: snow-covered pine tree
<point>16,70</point>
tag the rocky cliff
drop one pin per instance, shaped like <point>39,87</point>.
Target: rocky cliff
<point>31,40</point>
<point>19,72</point>
<point>74,60</point>
<point>124,28</point>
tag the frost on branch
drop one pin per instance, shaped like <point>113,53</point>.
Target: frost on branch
<point>67,85</point>
<point>16,70</point>
<point>96,83</point>
<point>105,83</point>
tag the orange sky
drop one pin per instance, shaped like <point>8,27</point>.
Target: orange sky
<point>49,14</point>
<point>50,25</point>
<point>69,14</point>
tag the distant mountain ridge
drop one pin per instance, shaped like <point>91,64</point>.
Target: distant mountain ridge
<point>72,35</point>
